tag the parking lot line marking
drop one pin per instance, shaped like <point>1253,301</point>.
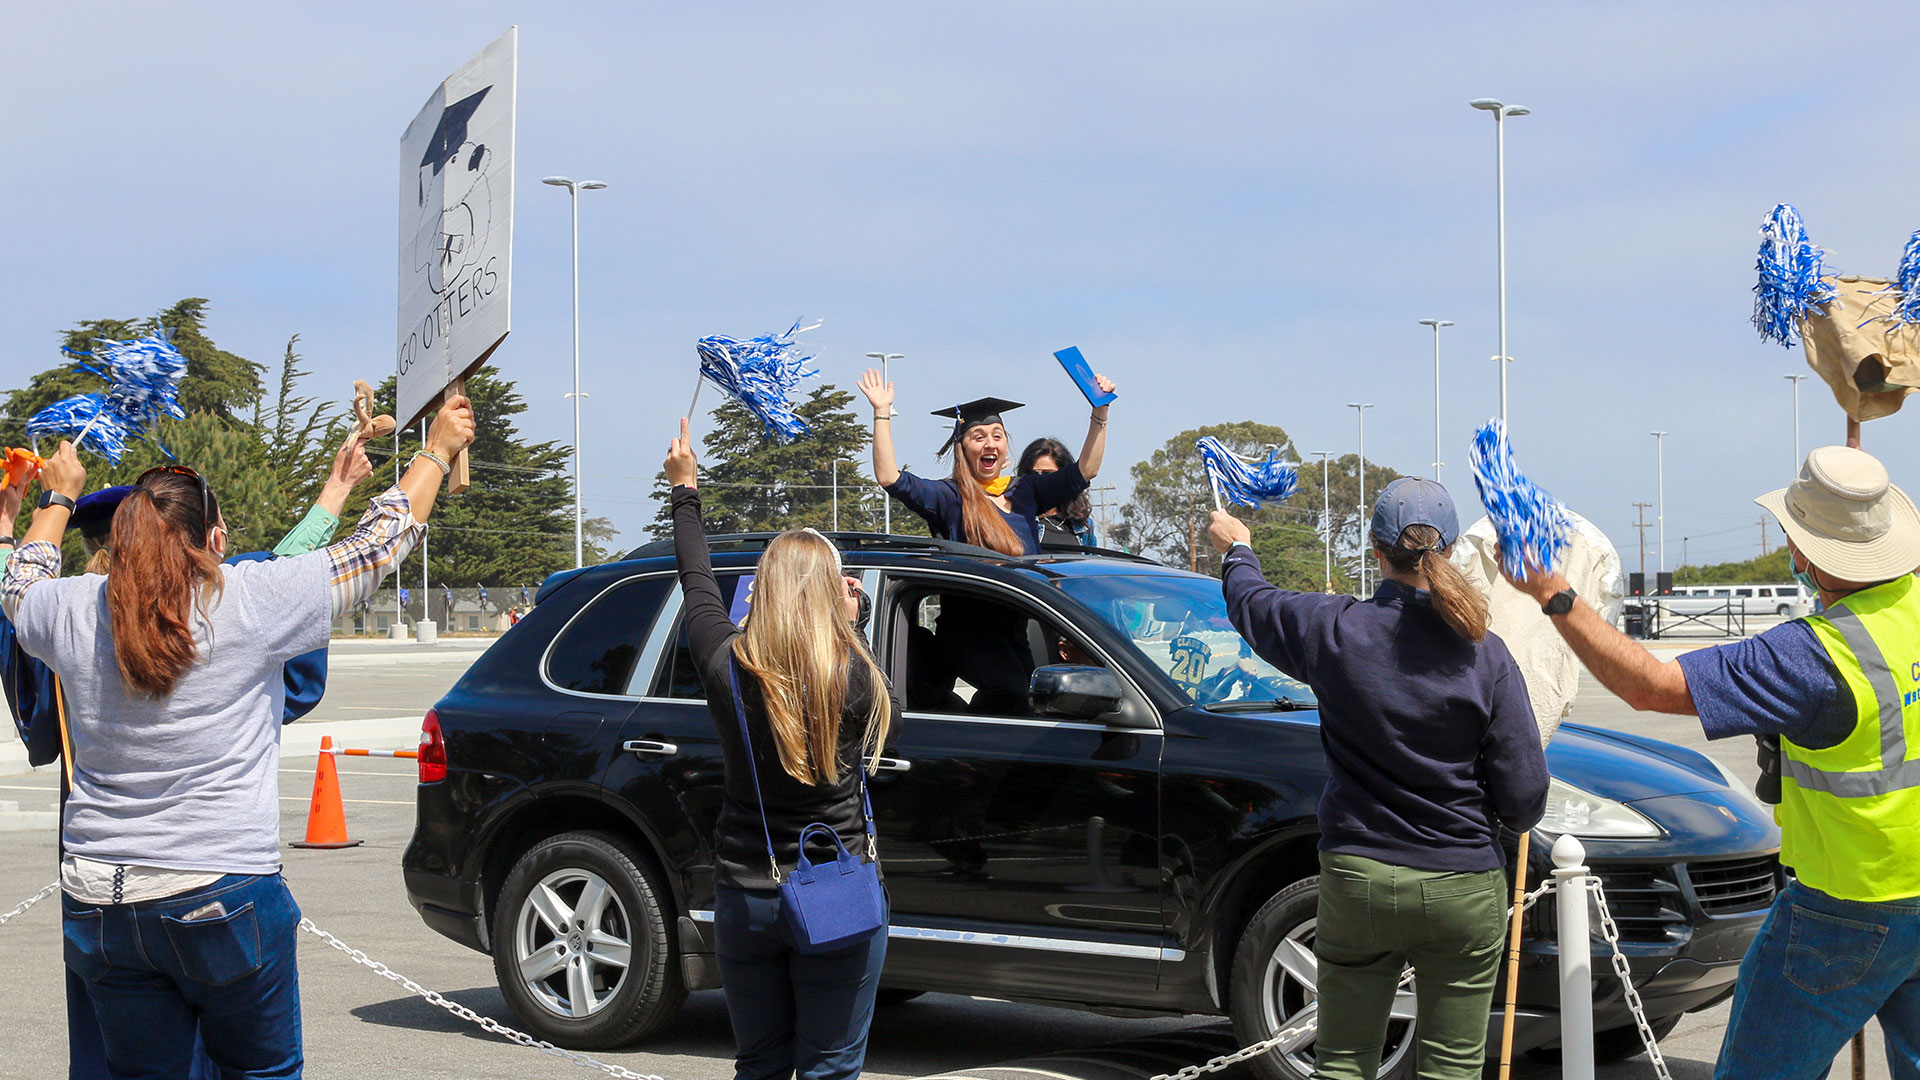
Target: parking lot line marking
<point>369,802</point>
<point>23,787</point>
<point>410,774</point>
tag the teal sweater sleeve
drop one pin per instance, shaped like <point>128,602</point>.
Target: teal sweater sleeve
<point>314,532</point>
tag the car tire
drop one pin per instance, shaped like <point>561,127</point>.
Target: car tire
<point>1613,1044</point>
<point>1263,994</point>
<point>1781,611</point>
<point>890,996</point>
<point>629,921</point>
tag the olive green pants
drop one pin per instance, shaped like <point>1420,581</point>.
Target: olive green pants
<point>1374,919</point>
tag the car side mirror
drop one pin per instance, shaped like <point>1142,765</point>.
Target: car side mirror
<point>1079,693</point>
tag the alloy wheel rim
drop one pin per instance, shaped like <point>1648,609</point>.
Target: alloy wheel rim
<point>573,943</point>
<point>1288,992</point>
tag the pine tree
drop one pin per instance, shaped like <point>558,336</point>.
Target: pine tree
<point>749,483</point>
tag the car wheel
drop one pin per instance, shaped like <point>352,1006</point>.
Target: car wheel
<point>1781,611</point>
<point>582,945</point>
<point>1273,988</point>
<point>1613,1044</point>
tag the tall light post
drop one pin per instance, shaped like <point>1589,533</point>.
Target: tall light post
<point>886,507</point>
<point>1360,413</point>
<point>1660,512</point>
<point>1795,380</point>
<point>574,188</point>
<point>1326,507</point>
<point>1436,324</point>
<point>1501,111</point>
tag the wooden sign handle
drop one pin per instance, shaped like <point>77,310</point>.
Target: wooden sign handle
<point>457,479</point>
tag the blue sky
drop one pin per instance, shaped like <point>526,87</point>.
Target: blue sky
<point>1237,210</point>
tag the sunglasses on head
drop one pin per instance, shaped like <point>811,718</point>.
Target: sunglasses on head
<point>206,493</point>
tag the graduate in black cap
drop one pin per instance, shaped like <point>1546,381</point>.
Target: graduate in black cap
<point>978,505</point>
<point>986,642</point>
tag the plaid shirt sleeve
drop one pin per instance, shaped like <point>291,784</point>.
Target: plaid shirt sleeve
<point>31,564</point>
<point>386,533</point>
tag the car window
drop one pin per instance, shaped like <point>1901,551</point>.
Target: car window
<point>1180,625</point>
<point>596,652</point>
<point>1743,592</point>
<point>679,676</point>
<point>1766,592</point>
<point>962,652</point>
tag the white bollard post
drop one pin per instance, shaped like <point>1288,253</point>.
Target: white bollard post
<point>1576,959</point>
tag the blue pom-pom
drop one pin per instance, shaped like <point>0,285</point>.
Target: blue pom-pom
<point>105,431</point>
<point>1268,482</point>
<point>1908,282</point>
<point>761,374</point>
<point>1532,525</point>
<point>1789,285</point>
<point>143,385</point>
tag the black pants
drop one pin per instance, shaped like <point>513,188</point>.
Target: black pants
<point>793,1014</point>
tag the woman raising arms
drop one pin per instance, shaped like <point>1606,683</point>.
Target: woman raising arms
<point>977,505</point>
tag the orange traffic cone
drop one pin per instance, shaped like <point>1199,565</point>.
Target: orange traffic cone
<point>327,816</point>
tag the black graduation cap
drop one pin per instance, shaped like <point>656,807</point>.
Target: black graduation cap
<point>974,413</point>
<point>452,132</point>
<point>93,514</point>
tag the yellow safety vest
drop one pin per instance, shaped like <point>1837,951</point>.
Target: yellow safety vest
<point>1850,814</point>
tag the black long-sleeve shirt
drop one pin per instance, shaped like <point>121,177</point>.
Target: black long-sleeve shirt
<point>739,842</point>
<point>1429,737</point>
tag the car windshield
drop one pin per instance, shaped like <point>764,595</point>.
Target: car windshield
<point>1180,625</point>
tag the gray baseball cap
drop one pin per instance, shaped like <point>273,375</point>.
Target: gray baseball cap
<point>1413,500</point>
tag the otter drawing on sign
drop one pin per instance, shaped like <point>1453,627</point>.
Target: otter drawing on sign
<point>450,235</point>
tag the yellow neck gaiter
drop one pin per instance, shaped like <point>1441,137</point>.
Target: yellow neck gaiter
<point>997,485</point>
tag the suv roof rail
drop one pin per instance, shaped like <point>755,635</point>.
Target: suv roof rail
<point>1082,549</point>
<point>845,541</point>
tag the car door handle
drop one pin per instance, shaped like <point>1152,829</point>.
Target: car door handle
<point>650,746</point>
<point>891,764</point>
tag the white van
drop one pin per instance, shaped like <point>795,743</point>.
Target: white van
<point>1787,600</point>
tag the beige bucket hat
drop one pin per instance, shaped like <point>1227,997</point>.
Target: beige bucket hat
<point>1847,518</point>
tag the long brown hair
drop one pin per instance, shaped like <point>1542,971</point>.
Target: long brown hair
<point>800,644</point>
<point>162,572</point>
<point>983,523</point>
<point>1458,604</point>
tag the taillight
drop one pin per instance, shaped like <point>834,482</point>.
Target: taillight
<point>433,750</point>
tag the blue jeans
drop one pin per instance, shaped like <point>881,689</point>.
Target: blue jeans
<point>793,1014</point>
<point>153,975</point>
<point>1820,967</point>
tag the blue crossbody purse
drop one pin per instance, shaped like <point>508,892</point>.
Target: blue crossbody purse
<point>828,905</point>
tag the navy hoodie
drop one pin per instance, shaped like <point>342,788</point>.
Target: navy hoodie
<point>1430,739</point>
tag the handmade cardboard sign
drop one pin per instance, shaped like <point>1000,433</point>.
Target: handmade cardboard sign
<point>1869,359</point>
<point>456,232</point>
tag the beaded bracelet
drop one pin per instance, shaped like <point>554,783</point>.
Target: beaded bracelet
<point>445,469</point>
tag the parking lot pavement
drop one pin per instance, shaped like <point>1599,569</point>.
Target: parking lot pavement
<point>360,1026</point>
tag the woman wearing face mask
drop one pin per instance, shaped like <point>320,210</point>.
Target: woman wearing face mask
<point>1072,524</point>
<point>814,707</point>
<point>175,911</point>
<point>977,505</point>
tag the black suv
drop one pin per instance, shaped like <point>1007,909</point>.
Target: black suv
<point>1138,836</point>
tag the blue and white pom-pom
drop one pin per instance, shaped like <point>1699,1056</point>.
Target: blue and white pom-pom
<point>1789,285</point>
<point>1532,525</point>
<point>1268,482</point>
<point>143,385</point>
<point>86,419</point>
<point>761,374</point>
<point>1908,282</point>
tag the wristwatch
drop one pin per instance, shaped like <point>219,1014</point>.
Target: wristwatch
<point>54,498</point>
<point>1559,603</point>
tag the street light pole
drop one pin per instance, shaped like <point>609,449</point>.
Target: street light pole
<point>1795,380</point>
<point>1326,508</point>
<point>574,188</point>
<point>1500,113</point>
<point>1360,413</point>
<point>886,508</point>
<point>1436,324</point>
<point>1660,513</point>
<point>836,494</point>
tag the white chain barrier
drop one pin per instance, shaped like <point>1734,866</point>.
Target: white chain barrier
<point>1609,931</point>
<point>486,1023</point>
<point>30,901</point>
